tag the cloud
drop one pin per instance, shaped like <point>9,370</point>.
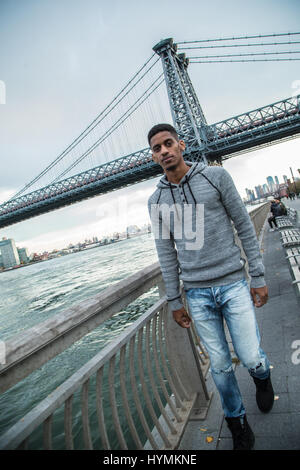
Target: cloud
<point>103,216</point>
<point>5,194</point>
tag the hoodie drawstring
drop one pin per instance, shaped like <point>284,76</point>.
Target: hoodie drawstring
<point>172,192</point>
<point>187,181</point>
<point>159,196</point>
<point>168,184</point>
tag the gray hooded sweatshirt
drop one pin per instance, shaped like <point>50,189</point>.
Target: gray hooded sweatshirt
<point>194,236</point>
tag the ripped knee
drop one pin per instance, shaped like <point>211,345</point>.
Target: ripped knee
<point>224,370</point>
<point>257,368</point>
<point>254,369</point>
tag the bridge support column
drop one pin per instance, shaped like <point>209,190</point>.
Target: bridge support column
<point>188,117</point>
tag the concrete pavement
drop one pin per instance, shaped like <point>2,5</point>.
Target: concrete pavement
<point>279,324</point>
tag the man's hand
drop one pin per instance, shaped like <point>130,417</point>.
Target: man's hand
<point>182,317</point>
<point>259,296</point>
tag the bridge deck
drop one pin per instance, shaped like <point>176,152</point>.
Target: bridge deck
<point>279,323</point>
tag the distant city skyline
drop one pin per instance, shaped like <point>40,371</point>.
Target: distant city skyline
<point>272,185</point>
<point>11,255</point>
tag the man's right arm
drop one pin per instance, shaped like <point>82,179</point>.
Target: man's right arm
<point>167,256</point>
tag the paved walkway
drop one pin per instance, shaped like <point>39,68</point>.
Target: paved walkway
<point>279,323</point>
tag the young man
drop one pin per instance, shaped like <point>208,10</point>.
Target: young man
<point>196,201</point>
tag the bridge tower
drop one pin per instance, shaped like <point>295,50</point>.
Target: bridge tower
<point>187,114</point>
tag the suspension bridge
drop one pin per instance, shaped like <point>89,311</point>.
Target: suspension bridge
<point>119,129</point>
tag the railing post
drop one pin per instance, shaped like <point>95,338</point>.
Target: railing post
<point>181,348</point>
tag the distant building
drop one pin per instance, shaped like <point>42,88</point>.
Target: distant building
<point>132,229</point>
<point>9,253</point>
<point>285,178</point>
<point>250,194</point>
<point>276,180</point>
<point>265,188</point>
<point>271,183</point>
<point>23,255</point>
<point>283,190</point>
<point>259,191</point>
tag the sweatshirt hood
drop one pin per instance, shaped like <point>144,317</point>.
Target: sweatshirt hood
<point>195,167</point>
<point>163,183</point>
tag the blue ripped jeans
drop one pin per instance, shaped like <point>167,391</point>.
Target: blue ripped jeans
<point>208,307</point>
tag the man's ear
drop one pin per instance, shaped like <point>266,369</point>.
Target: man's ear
<point>182,145</point>
<point>154,158</point>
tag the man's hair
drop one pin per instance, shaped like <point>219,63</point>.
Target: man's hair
<point>162,128</point>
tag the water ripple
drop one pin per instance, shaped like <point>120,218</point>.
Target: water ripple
<point>34,293</point>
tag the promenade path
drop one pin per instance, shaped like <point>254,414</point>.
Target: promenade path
<point>279,323</point>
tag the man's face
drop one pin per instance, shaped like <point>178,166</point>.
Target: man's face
<point>167,150</point>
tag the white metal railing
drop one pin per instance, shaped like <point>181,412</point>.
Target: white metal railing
<point>145,383</point>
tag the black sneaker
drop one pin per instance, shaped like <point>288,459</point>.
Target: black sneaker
<point>242,435</point>
<point>264,394</point>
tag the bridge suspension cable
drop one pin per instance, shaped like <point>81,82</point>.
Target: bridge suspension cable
<point>194,61</point>
<point>131,84</point>
<point>243,55</point>
<point>239,37</point>
<point>116,125</point>
<point>239,56</point>
<point>241,45</point>
<point>242,60</point>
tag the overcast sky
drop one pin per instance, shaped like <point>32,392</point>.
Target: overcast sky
<point>62,61</point>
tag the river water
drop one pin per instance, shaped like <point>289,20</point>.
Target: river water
<point>32,294</point>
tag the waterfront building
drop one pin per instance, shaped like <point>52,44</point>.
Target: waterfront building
<point>9,253</point>
<point>23,255</point>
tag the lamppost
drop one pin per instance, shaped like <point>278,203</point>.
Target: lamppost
<point>293,180</point>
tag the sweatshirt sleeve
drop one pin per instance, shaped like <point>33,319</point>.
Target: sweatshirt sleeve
<point>167,256</point>
<point>238,213</point>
